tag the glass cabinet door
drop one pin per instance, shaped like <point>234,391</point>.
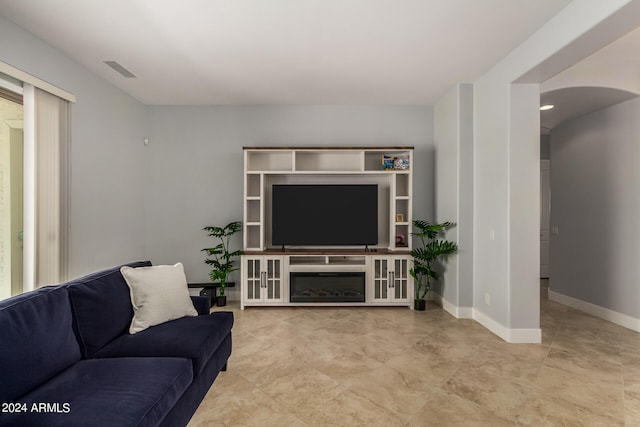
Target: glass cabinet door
<point>400,279</point>
<point>380,279</point>
<point>273,280</point>
<point>254,279</point>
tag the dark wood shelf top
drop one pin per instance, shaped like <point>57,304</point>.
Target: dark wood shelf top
<point>402,251</point>
<point>318,147</point>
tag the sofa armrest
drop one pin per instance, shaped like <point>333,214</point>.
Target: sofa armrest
<point>201,304</point>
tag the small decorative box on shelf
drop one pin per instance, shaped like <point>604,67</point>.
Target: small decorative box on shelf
<point>395,162</point>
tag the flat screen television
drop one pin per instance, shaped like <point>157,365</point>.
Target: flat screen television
<point>324,215</point>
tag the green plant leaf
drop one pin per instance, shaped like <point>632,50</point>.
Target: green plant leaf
<point>424,256</point>
<point>215,231</point>
<point>219,256</point>
<point>232,228</point>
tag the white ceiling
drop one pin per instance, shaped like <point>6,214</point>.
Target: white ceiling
<point>209,52</point>
<point>573,102</point>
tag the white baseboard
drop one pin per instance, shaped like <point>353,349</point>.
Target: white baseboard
<point>596,310</point>
<point>454,310</point>
<point>515,336</point>
<point>510,335</point>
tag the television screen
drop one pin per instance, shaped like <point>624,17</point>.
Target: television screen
<point>324,215</point>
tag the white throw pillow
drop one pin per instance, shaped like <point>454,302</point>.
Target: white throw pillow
<point>158,294</point>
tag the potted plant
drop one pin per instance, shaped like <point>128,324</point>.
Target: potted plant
<point>220,258</point>
<point>425,256</point>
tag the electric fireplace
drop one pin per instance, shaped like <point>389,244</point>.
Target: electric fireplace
<point>327,287</point>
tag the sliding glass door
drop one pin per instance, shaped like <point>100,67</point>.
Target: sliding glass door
<point>11,195</point>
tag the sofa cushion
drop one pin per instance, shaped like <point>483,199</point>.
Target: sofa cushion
<point>158,294</point>
<point>201,304</point>
<point>108,392</point>
<point>36,340</point>
<point>101,307</point>
<point>194,337</point>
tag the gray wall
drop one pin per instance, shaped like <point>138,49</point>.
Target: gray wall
<point>596,205</point>
<point>506,161</point>
<point>454,194</point>
<point>545,147</point>
<point>107,213</point>
<point>195,166</point>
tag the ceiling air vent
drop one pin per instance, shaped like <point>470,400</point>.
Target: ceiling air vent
<point>120,69</point>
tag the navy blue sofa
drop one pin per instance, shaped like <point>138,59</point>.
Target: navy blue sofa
<point>67,359</point>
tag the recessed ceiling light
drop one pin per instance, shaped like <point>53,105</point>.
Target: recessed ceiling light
<point>546,107</point>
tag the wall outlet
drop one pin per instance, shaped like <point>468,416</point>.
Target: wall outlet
<point>487,299</point>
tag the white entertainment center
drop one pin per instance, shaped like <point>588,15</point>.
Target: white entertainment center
<point>271,274</point>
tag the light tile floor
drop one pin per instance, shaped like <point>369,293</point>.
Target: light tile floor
<point>397,367</point>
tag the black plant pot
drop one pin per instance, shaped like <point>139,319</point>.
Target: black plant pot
<point>419,304</point>
<point>221,301</point>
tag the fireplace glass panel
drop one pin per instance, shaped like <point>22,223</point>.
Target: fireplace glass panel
<point>327,287</point>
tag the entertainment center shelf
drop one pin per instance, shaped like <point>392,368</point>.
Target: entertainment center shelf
<point>315,159</point>
<point>299,275</point>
